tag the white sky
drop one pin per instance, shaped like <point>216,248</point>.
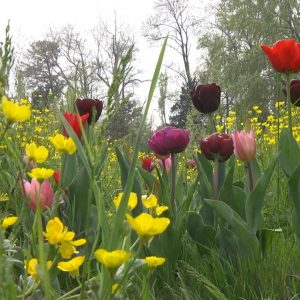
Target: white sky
<point>31,19</point>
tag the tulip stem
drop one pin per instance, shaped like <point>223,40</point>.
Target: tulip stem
<point>216,178</point>
<point>289,105</point>
<point>250,176</point>
<point>173,184</point>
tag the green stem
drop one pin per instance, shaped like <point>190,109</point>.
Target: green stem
<point>173,183</point>
<point>216,178</point>
<point>45,280</point>
<point>250,176</point>
<point>288,93</point>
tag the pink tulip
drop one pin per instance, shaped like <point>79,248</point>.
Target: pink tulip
<point>35,189</point>
<point>166,163</point>
<point>244,145</point>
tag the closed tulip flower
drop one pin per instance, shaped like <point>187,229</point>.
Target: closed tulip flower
<point>91,106</point>
<point>169,140</point>
<point>147,163</point>
<point>217,145</point>
<point>295,92</point>
<point>32,190</point>
<point>284,56</point>
<point>206,97</point>
<point>244,145</point>
<point>74,121</point>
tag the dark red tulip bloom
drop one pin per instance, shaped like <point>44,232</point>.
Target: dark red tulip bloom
<point>85,106</point>
<point>295,92</point>
<point>169,140</point>
<point>206,97</point>
<point>147,163</point>
<point>217,145</point>
<point>74,121</point>
<point>284,56</point>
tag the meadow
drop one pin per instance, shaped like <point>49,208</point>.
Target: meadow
<point>162,216</point>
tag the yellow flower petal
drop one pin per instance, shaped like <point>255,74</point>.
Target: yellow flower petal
<point>8,221</point>
<point>154,261</point>
<point>132,202</point>
<point>112,259</point>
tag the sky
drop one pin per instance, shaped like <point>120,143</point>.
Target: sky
<point>31,19</point>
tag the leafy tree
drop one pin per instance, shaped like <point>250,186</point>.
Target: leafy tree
<point>233,57</point>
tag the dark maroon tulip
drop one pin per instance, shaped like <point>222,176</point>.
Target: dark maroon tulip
<point>86,106</point>
<point>217,145</point>
<point>295,92</point>
<point>147,163</point>
<point>169,140</point>
<point>191,164</point>
<point>206,97</point>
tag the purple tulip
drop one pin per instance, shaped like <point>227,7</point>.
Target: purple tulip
<point>85,106</point>
<point>217,145</point>
<point>169,140</point>
<point>206,97</point>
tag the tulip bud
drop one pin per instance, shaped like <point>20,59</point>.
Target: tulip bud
<point>169,140</point>
<point>206,97</point>
<point>74,121</point>
<point>91,106</point>
<point>244,145</point>
<point>217,145</point>
<point>147,163</point>
<point>190,164</point>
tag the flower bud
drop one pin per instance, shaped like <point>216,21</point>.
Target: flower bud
<point>191,164</point>
<point>244,145</point>
<point>206,97</point>
<point>217,145</point>
<point>85,106</point>
<point>147,163</point>
<point>74,121</point>
<point>169,140</point>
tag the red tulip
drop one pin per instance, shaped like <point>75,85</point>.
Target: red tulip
<point>35,189</point>
<point>284,56</point>
<point>147,163</point>
<point>85,106</point>
<point>56,176</point>
<point>217,145</point>
<point>74,121</point>
<point>169,140</point>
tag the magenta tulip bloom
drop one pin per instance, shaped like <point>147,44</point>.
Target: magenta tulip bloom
<point>169,140</point>
<point>217,145</point>
<point>35,189</point>
<point>244,145</point>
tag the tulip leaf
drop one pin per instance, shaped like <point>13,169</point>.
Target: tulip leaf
<point>229,242</point>
<point>289,152</point>
<point>68,170</point>
<point>148,177</point>
<point>205,166</point>
<point>294,192</point>
<point>226,193</point>
<point>247,240</point>
<point>255,199</point>
<point>179,193</point>
<point>205,176</point>
<point>238,204</point>
<point>202,234</point>
<point>267,238</point>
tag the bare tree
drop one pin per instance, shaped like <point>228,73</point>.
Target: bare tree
<point>173,18</point>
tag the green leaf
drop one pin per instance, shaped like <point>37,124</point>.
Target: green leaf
<point>205,176</point>
<point>246,239</point>
<point>267,237</point>
<point>294,192</point>
<point>68,170</point>
<point>226,193</point>
<point>205,166</point>
<point>289,152</point>
<point>201,233</point>
<point>148,177</point>
<point>255,199</point>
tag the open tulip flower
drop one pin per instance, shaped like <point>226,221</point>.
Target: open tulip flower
<point>35,191</point>
<point>169,140</point>
<point>244,145</point>
<point>206,97</point>
<point>284,56</point>
<point>217,145</point>
<point>85,106</point>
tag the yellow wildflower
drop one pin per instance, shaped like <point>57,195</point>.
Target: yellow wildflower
<point>132,202</point>
<point>41,173</point>
<point>146,226</point>
<point>149,202</point>
<point>8,221</point>
<point>57,234</point>
<point>63,144</point>
<point>15,112</point>
<point>112,259</point>
<point>161,209</point>
<point>72,266</point>
<point>114,288</point>
<point>4,197</point>
<point>154,261</point>
<point>31,267</point>
<point>38,154</point>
